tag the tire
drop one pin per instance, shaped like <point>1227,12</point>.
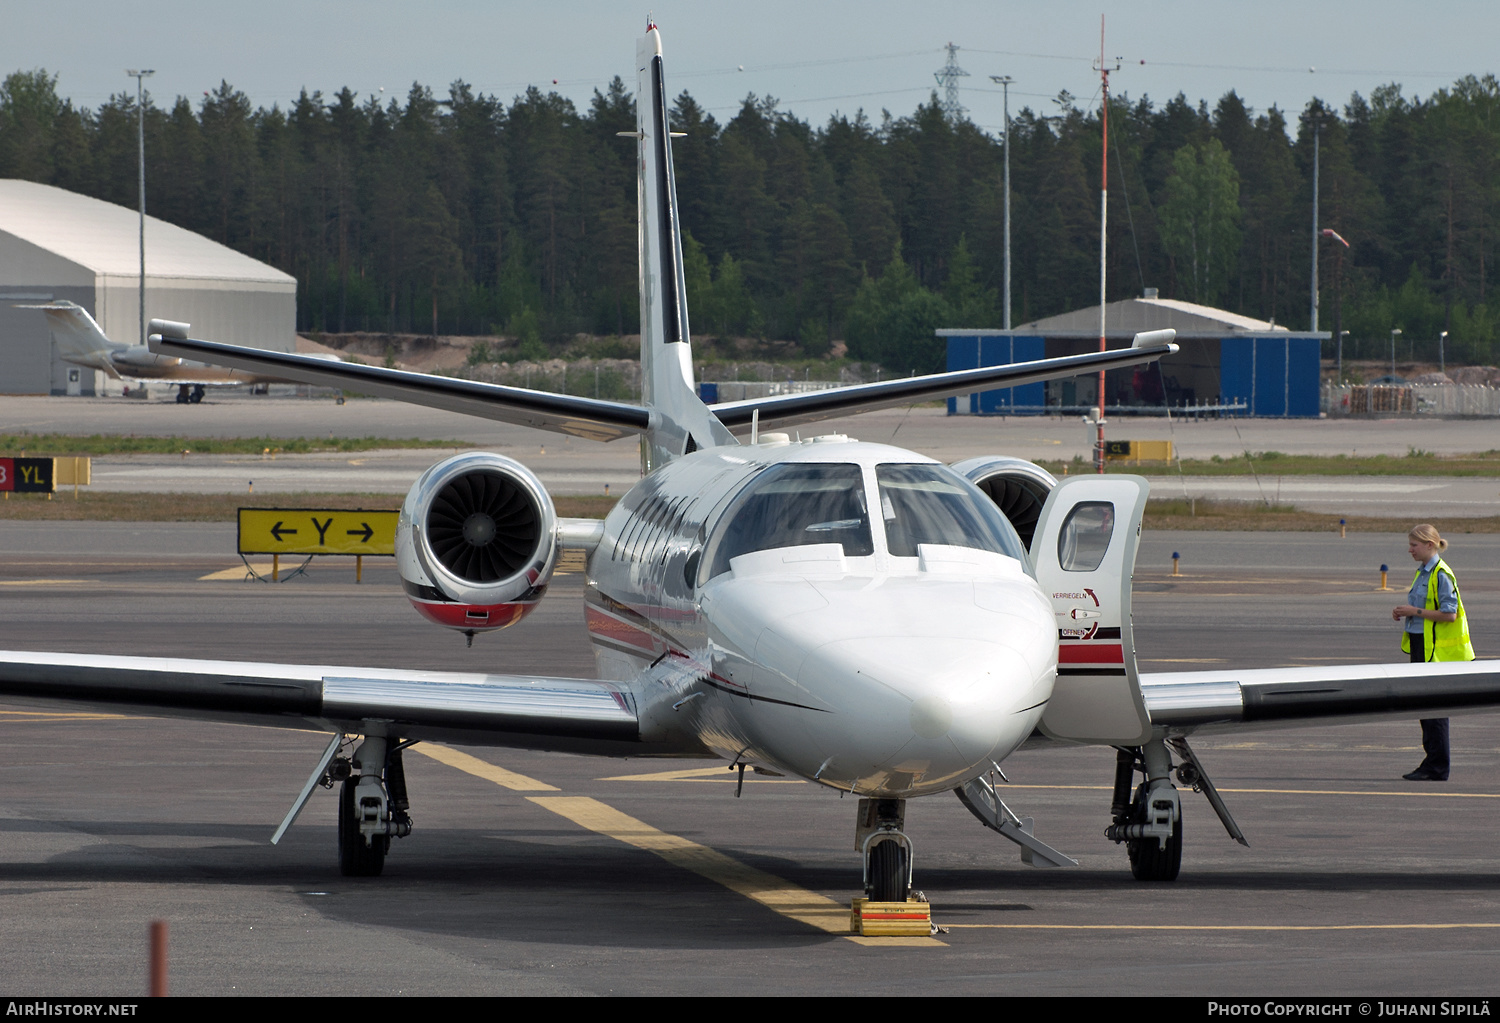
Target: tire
<point>1150,862</point>
<point>355,858</point>
<point>888,872</point>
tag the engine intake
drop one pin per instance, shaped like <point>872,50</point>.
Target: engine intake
<point>1019,488</point>
<point>477,542</point>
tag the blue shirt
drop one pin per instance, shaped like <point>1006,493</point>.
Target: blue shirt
<point>1447,598</point>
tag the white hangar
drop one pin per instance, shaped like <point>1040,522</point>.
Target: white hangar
<point>56,244</point>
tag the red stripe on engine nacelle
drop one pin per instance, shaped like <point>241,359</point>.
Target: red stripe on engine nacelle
<point>472,617</point>
<point>1091,653</point>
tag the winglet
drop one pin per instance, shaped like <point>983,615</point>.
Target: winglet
<point>1150,338</point>
<point>169,329</point>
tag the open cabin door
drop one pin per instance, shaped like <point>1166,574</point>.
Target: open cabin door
<point>1084,551</point>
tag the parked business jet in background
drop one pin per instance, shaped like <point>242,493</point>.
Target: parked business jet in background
<point>853,614</point>
<point>80,341</point>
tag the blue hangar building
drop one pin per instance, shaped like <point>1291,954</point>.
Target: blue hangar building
<point>1225,358</point>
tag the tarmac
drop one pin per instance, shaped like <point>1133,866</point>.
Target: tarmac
<point>1355,883</point>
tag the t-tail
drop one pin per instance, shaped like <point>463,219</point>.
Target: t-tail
<point>78,337</point>
<point>680,422</point>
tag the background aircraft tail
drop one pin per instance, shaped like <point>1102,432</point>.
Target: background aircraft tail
<point>681,422</point>
<point>78,337</point>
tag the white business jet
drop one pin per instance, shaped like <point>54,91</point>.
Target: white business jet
<point>853,614</point>
<point>81,341</point>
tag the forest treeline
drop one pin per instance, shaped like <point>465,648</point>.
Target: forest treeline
<point>468,215</point>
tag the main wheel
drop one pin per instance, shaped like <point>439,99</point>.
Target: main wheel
<point>355,858</point>
<point>1149,861</point>
<point>888,872</point>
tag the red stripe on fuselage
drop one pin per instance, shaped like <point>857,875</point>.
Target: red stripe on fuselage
<point>1092,653</point>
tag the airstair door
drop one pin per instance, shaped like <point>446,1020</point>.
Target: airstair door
<point>1084,552</point>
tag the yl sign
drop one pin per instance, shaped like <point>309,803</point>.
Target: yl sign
<point>26,475</point>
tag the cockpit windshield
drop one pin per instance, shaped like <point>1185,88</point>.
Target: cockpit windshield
<point>795,504</point>
<point>933,504</point>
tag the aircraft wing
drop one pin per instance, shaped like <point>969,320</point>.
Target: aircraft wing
<point>527,711</point>
<point>1184,703</point>
<point>813,406</point>
<point>589,418</point>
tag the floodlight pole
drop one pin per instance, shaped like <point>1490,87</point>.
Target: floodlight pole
<point>1317,131</point>
<point>1442,363</point>
<point>1104,71</point>
<point>140,120</point>
<point>1004,82</point>
<point>1394,332</point>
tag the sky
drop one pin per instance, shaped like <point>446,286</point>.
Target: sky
<point>818,59</point>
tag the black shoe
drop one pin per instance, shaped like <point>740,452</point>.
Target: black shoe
<point>1425,774</point>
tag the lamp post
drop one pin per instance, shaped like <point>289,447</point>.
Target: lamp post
<point>140,119</point>
<point>1394,332</point>
<point>1004,82</point>
<point>1342,334</point>
<point>1442,365</point>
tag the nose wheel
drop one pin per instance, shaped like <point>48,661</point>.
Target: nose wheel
<point>886,849</point>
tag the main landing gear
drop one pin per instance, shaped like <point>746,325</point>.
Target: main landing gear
<point>1149,822</point>
<point>886,849</point>
<point>190,394</point>
<point>372,805</point>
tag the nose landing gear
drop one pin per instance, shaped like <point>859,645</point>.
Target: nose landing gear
<point>886,849</point>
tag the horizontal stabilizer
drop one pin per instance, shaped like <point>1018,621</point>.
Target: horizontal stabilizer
<point>814,406</point>
<point>589,418</point>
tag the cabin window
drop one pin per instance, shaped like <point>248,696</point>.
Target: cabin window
<point>1084,537</point>
<point>793,505</point>
<point>933,504</point>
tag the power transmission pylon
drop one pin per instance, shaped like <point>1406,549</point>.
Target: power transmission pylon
<point>948,78</point>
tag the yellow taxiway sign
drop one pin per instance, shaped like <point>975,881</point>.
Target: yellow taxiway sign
<point>317,531</point>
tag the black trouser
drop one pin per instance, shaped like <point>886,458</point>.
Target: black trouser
<point>1434,730</point>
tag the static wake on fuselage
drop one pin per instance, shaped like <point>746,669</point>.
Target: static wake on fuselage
<point>850,613</point>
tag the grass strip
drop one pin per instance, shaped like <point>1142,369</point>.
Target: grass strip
<point>143,507</point>
<point>1275,463</point>
<point>1247,516</point>
<point>42,445</point>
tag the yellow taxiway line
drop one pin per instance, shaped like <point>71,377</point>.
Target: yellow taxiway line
<point>1224,927</point>
<point>484,769</point>
<point>48,716</point>
<point>703,774</point>
<point>1297,792</point>
<point>779,896</point>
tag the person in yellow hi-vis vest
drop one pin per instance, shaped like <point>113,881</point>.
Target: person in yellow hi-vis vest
<point>1436,630</point>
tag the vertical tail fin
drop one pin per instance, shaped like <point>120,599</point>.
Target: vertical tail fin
<point>78,337</point>
<point>681,423</point>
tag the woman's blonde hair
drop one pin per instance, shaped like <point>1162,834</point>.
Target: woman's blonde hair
<point>1426,532</point>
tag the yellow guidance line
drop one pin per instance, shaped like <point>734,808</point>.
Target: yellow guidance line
<point>704,774</point>
<point>779,896</point>
<point>46,582</point>
<point>1299,792</point>
<point>48,716</point>
<point>484,769</point>
<point>783,897</point>
<point>1226,927</point>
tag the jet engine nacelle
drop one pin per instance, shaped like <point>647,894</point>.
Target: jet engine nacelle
<point>477,542</point>
<point>1019,488</point>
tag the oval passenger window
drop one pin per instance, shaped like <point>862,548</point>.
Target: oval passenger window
<point>1085,534</point>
